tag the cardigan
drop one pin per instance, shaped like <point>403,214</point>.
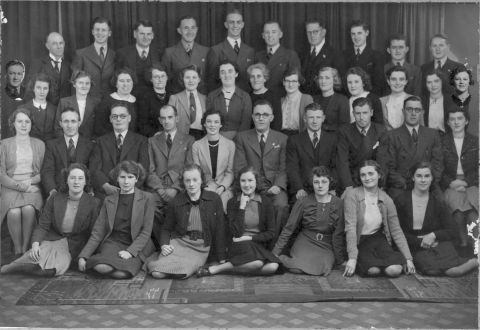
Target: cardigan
<point>354,209</point>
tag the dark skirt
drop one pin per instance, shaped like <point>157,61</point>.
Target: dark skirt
<point>440,258</point>
<point>247,251</point>
<point>108,254</point>
<point>374,251</point>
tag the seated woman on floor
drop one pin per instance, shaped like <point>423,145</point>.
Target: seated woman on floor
<point>194,221</point>
<point>251,222</point>
<point>64,227</point>
<point>429,230</point>
<point>371,224</point>
<point>120,238</point>
<point>320,241</point>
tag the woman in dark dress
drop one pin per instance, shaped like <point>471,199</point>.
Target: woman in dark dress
<point>428,228</point>
<point>371,226</point>
<point>120,239</point>
<point>64,227</point>
<point>194,221</point>
<point>461,79</point>
<point>251,222</point>
<point>335,105</point>
<point>320,243</point>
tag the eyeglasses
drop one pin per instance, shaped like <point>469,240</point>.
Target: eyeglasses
<point>290,81</point>
<point>261,115</point>
<point>115,117</point>
<point>412,110</point>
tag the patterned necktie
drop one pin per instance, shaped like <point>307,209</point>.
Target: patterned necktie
<point>56,67</point>
<point>357,55</point>
<point>189,52</point>
<point>169,142</point>
<point>71,151</point>
<point>363,132</point>
<point>119,142</point>
<point>313,53</point>
<point>439,65</point>
<point>102,54</point>
<point>144,55</point>
<point>193,109</point>
<point>414,135</point>
<point>262,143</point>
<point>315,140</point>
<point>270,53</point>
<point>236,48</point>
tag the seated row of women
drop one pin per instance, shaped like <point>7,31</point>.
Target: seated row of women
<point>196,239</point>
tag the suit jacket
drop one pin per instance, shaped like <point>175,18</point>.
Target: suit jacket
<point>63,87</point>
<point>225,157</point>
<point>302,158</point>
<point>102,115</point>
<point>104,157</point>
<point>327,56</point>
<point>224,51</point>
<point>414,85</point>
<point>370,60</point>
<point>447,68</point>
<point>50,223</point>
<point>282,61</point>
<point>176,58</point>
<point>56,159</point>
<point>239,114</point>
<point>86,128</point>
<point>42,121</point>
<point>402,154</point>
<point>166,168</point>
<point>437,220</point>
<point>337,112</point>
<point>140,225</point>
<point>305,100</point>
<point>87,59</point>
<point>447,105</point>
<point>352,150</point>
<point>182,103</point>
<point>468,158</point>
<point>128,57</point>
<point>273,162</point>
<point>149,105</point>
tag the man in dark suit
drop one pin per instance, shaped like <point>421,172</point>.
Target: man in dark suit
<point>186,52</point>
<point>141,56</point>
<point>98,59</point>
<point>265,150</point>
<point>277,58</point>
<point>56,67</point>
<point>358,141</point>
<point>408,145</point>
<point>233,49</point>
<point>114,147</point>
<point>64,150</point>
<point>310,148</point>
<point>439,48</point>
<point>362,55</point>
<point>398,49</point>
<point>318,56</point>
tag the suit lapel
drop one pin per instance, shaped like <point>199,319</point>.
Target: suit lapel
<point>252,139</point>
<point>183,98</point>
<point>205,153</point>
<point>177,143</point>
<point>91,53</point>
<point>406,140</point>
<point>111,203</point>
<point>307,144</point>
<point>59,208</point>
<point>88,108</point>
<point>127,145</point>
<point>62,151</point>
<point>112,142</point>
<point>421,144</point>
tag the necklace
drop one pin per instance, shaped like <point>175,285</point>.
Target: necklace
<point>213,144</point>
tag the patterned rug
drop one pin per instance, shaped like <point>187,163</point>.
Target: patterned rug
<point>77,288</point>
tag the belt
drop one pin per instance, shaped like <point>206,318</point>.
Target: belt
<point>194,235</point>
<point>317,236</point>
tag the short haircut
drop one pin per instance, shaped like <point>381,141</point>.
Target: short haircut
<point>293,71</point>
<point>397,36</point>
<point>80,74</point>
<point>316,21</point>
<point>417,166</point>
<point>361,101</point>
<point>13,63</point>
<point>191,67</point>
<point>168,106</point>
<point>439,36</point>
<point>233,11</point>
<point>65,172</point>
<point>378,168</point>
<point>313,107</point>
<point>396,68</point>
<point>121,104</point>
<point>184,18</point>
<point>413,98</point>
<point>124,70</point>
<point>359,23</point>
<point>337,81</point>
<point>13,116</point>
<point>364,76</point>
<point>262,102</point>
<point>145,23</point>
<point>43,77</point>
<point>101,20</point>
<point>210,113</point>
<point>236,183</point>
<point>189,168</point>
<point>260,66</point>
<point>458,70</point>
<point>320,171</point>
<point>155,66</point>
<point>69,109</point>
<point>273,22</point>
<point>454,109</point>
<point>130,167</point>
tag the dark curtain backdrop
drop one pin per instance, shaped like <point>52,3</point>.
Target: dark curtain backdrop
<point>30,22</point>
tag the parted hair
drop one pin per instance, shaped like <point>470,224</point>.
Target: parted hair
<point>13,116</point>
<point>130,167</point>
<point>237,190</point>
<point>189,168</point>
<point>378,168</point>
<point>66,172</point>
<point>364,76</point>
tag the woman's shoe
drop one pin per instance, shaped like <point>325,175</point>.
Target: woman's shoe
<point>203,271</point>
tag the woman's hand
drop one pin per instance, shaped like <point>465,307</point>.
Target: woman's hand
<point>350,267</point>
<point>33,189</point>
<point>35,252</point>
<point>110,189</point>
<point>409,268</point>
<point>458,185</point>
<point>166,250</point>
<point>82,263</point>
<point>244,199</point>
<point>428,240</point>
<point>124,254</point>
<point>220,190</point>
<point>242,238</point>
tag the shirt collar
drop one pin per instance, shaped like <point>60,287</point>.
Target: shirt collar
<point>75,139</point>
<point>366,128</point>
<point>97,48</point>
<point>53,58</point>
<point>172,134</point>
<point>318,47</point>
<point>231,41</point>
<point>410,128</point>
<point>187,46</point>
<point>229,89</point>
<point>362,48</point>
<point>37,105</point>
<point>394,62</point>
<point>123,134</point>
<point>140,50</point>
<point>310,134</point>
<point>265,135</point>
<point>274,49</point>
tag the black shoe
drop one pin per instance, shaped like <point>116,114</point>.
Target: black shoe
<point>203,271</point>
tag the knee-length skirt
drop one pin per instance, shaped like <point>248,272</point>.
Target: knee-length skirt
<point>439,258</point>
<point>243,252</point>
<point>11,199</point>
<point>462,200</point>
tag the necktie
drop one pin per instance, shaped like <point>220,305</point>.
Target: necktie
<point>56,67</point>
<point>439,65</point>
<point>315,140</point>
<point>236,48</point>
<point>270,53</point>
<point>71,151</point>
<point>169,142</point>
<point>193,109</point>
<point>357,54</point>
<point>102,54</point>
<point>363,132</point>
<point>313,53</point>
<point>414,135</point>
<point>189,52</point>
<point>119,142</point>
<point>144,55</point>
<point>262,143</point>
